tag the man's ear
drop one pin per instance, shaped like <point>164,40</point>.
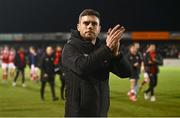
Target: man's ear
<point>78,28</point>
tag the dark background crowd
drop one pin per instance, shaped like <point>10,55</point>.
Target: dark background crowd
<point>169,50</point>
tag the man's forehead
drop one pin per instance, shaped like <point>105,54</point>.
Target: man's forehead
<point>89,18</point>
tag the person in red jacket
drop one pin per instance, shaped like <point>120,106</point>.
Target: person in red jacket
<point>153,60</point>
<point>58,68</point>
<point>5,63</point>
<point>12,67</point>
<point>20,63</point>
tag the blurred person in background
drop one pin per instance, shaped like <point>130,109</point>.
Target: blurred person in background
<point>5,63</point>
<point>58,67</point>
<point>20,63</point>
<point>87,62</point>
<point>33,60</point>
<point>145,69</point>
<point>1,50</point>
<point>12,67</point>
<point>140,61</point>
<point>152,60</point>
<point>47,73</point>
<point>134,61</point>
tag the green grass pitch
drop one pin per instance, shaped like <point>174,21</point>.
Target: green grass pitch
<point>18,101</point>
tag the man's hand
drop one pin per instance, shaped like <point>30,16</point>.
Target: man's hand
<point>116,49</point>
<point>114,37</point>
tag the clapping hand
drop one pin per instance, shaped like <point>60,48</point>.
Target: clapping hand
<point>113,38</point>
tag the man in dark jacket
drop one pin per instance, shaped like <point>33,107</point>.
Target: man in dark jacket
<point>134,61</point>
<point>87,62</point>
<point>20,63</point>
<point>47,73</point>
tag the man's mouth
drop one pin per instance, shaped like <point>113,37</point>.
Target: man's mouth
<point>90,32</point>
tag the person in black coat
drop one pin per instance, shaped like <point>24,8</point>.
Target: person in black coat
<point>47,73</point>
<point>87,62</point>
<point>20,63</point>
<point>134,60</point>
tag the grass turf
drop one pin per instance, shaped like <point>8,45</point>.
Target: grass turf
<point>18,101</point>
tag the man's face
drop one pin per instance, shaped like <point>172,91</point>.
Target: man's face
<point>152,48</point>
<point>133,50</point>
<point>49,50</point>
<point>58,48</point>
<point>31,50</point>
<point>89,27</point>
<point>137,45</point>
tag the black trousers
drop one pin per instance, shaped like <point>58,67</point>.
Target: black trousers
<point>62,80</point>
<point>62,85</point>
<point>152,83</point>
<point>52,86</point>
<point>17,74</point>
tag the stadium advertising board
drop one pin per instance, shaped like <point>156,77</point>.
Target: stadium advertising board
<point>150,35</point>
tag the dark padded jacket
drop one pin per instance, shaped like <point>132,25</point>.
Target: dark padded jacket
<point>47,67</point>
<point>86,68</point>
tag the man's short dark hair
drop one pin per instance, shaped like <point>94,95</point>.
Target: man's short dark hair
<point>89,12</point>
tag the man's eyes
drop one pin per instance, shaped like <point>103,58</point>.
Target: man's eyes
<point>93,23</point>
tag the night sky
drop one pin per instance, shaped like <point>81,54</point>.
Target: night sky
<point>25,16</point>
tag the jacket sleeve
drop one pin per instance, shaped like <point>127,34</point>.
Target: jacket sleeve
<point>121,67</point>
<point>83,64</point>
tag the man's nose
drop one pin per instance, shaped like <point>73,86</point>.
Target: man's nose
<point>90,25</point>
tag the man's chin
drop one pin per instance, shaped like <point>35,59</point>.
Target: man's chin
<point>89,38</point>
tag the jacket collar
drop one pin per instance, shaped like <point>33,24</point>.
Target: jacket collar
<point>76,38</point>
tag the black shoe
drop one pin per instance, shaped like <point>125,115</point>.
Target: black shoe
<point>55,99</point>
